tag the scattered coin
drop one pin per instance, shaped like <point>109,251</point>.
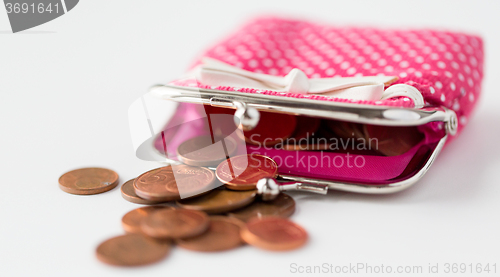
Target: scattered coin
<point>131,250</point>
<point>203,151</point>
<point>222,234</point>
<point>274,233</point>
<point>128,193</point>
<point>392,141</point>
<point>131,221</point>
<point>219,201</point>
<point>271,129</point>
<point>177,223</point>
<point>244,171</point>
<point>87,181</point>
<point>282,206</point>
<point>169,182</point>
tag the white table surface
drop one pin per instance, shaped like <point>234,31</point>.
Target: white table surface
<point>65,88</point>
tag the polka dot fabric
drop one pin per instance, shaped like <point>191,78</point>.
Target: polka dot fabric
<point>446,67</point>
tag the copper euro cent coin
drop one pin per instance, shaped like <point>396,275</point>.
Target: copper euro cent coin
<point>274,233</point>
<point>219,201</point>
<point>244,171</point>
<point>282,206</point>
<point>169,183</point>
<point>86,181</point>
<point>131,221</point>
<point>131,250</point>
<point>222,234</point>
<point>205,150</point>
<point>174,224</point>
<point>128,193</point>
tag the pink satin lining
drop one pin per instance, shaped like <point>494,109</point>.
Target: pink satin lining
<point>188,122</point>
<point>338,166</point>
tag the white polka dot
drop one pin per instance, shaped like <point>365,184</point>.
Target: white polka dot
<point>345,65</point>
<point>351,71</point>
<point>434,56</point>
<point>443,98</point>
<point>367,66</point>
<point>455,65</point>
<point>448,74</point>
<point>439,85</point>
<point>463,120</point>
<point>389,68</point>
<point>471,97</point>
<point>456,106</point>
<point>432,90</point>
<point>470,82</point>
<point>462,92</point>
<point>330,71</point>
<point>253,63</point>
<point>324,65</point>
<point>441,64</point>
<point>382,62</point>
<point>419,59</point>
<point>461,77</point>
<point>418,74</point>
<point>452,86</point>
<point>375,56</point>
<point>404,64</point>
<point>473,61</point>
<point>267,62</point>
<point>397,58</point>
<point>403,74</point>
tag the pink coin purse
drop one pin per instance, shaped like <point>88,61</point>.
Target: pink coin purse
<point>411,90</point>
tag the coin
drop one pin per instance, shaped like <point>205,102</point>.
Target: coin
<point>203,151</point>
<point>244,171</point>
<point>219,201</point>
<point>274,233</point>
<point>271,129</point>
<point>222,234</point>
<point>307,147</point>
<point>306,126</point>
<point>391,140</point>
<point>346,129</point>
<point>131,221</point>
<point>282,206</point>
<point>169,182</point>
<point>128,193</point>
<point>177,223</point>
<point>86,181</point>
<point>131,250</point>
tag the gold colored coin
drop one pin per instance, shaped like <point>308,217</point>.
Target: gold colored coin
<point>219,201</point>
<point>222,234</point>
<point>131,250</point>
<point>86,181</point>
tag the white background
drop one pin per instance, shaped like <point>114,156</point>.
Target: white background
<point>65,88</point>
